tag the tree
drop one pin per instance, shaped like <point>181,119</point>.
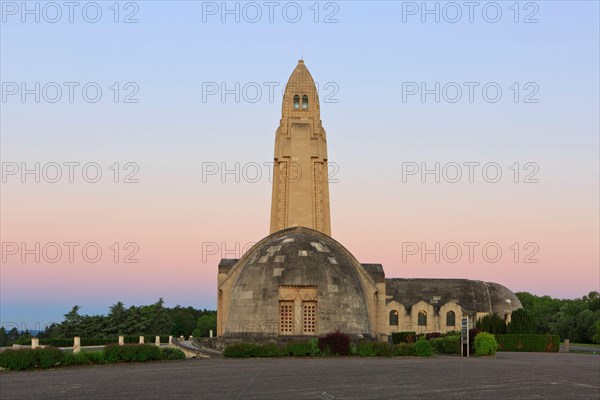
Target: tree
<point>492,323</point>
<point>117,319</point>
<point>3,337</point>
<point>160,321</point>
<point>183,321</point>
<point>520,322</point>
<point>205,324</point>
<point>71,326</point>
<point>596,337</point>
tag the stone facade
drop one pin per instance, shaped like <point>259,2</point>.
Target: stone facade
<point>300,282</point>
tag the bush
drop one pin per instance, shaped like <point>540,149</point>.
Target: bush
<point>485,344</point>
<point>335,343</point>
<point>449,344</point>
<point>423,348</point>
<point>528,342</point>
<point>520,322</point>
<point>82,358</point>
<point>131,353</point>
<point>269,350</point>
<point>298,348</point>
<point>17,360</point>
<point>374,349</point>
<point>242,350</point>
<point>404,349</point>
<point>48,357</point>
<point>172,354</point>
<point>404,337</point>
<point>491,323</point>
<point>94,357</point>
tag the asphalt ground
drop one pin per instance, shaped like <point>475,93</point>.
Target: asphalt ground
<point>508,376</point>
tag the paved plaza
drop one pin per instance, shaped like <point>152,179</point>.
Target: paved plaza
<point>509,376</point>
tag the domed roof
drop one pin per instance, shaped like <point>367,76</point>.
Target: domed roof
<point>298,257</point>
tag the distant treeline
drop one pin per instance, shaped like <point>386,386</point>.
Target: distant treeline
<point>577,320</point>
<point>154,319</point>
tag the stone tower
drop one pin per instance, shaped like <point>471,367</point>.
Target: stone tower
<point>300,172</point>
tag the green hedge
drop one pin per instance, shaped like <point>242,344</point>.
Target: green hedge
<point>374,349</point>
<point>131,352</point>
<point>528,342</point>
<point>446,345</point>
<point>17,360</point>
<point>405,349</point>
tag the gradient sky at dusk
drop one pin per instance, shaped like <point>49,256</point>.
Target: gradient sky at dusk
<point>181,224</point>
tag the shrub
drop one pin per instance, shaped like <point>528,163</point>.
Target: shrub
<point>485,344</point>
<point>335,343</point>
<point>131,353</point>
<point>423,348</point>
<point>404,349</point>
<point>491,323</point>
<point>528,342</point>
<point>520,322</point>
<point>314,347</point>
<point>48,357</point>
<point>404,337</point>
<point>374,349</point>
<point>94,357</point>
<point>270,350</point>
<point>242,350</point>
<point>75,359</point>
<point>449,344</point>
<point>298,348</point>
<point>366,349</point>
<point>172,354</point>
<point>17,360</point>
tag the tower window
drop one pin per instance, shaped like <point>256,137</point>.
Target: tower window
<point>296,102</point>
<point>422,319</point>
<point>450,318</point>
<point>305,102</point>
<point>394,318</point>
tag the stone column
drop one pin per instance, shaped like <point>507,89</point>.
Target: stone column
<point>35,343</point>
<point>141,340</point>
<point>157,341</point>
<point>121,340</point>
<point>76,344</point>
<point>190,338</point>
<point>211,333</point>
<point>567,347</point>
<point>170,339</point>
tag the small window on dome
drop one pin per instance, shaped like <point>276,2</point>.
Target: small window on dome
<point>305,102</point>
<point>296,102</point>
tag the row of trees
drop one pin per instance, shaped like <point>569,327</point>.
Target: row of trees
<point>153,319</point>
<point>577,320</point>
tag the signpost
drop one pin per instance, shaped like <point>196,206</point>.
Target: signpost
<point>464,336</point>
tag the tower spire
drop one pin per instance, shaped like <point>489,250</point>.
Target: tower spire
<point>300,181</point>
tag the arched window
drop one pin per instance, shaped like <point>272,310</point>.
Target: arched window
<point>394,317</point>
<point>305,102</point>
<point>450,318</point>
<point>296,102</point>
<point>422,318</point>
